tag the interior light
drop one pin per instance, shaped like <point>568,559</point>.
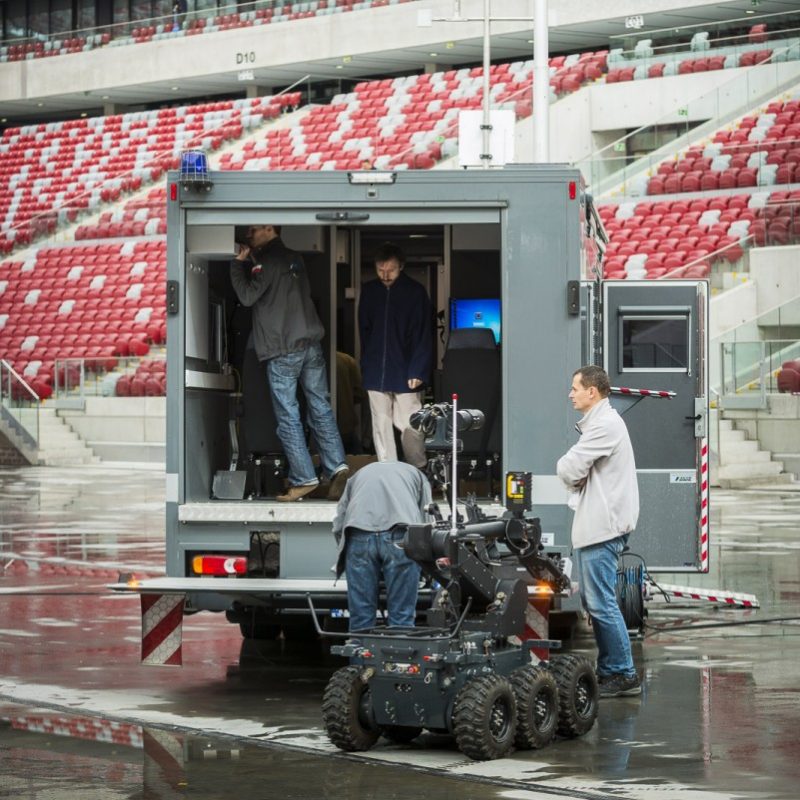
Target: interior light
<point>371,176</point>
<point>339,66</point>
<point>749,11</point>
<point>450,45</point>
<point>105,97</point>
<point>174,88</point>
<point>433,55</point>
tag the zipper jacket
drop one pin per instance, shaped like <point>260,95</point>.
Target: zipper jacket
<point>395,325</point>
<point>607,505</point>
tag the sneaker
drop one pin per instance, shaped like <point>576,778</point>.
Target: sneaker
<point>338,482</point>
<point>620,685</point>
<point>295,493</point>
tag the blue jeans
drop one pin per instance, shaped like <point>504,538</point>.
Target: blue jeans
<point>370,555</point>
<point>306,367</point>
<point>597,574</point>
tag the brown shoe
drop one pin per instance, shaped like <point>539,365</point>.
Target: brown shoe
<point>338,482</point>
<point>296,493</point>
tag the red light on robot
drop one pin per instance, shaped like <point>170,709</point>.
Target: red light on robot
<point>573,190</point>
<point>173,192</point>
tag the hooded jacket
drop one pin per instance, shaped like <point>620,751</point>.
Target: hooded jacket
<point>607,505</point>
<point>277,287</point>
<point>395,327</point>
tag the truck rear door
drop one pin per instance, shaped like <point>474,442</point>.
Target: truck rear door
<point>655,342</point>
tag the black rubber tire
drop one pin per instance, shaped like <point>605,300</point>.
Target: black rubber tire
<point>536,693</point>
<point>346,711</point>
<point>485,718</point>
<point>578,694</point>
<point>401,734</point>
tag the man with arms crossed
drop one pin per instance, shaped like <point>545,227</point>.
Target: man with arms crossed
<point>600,473</point>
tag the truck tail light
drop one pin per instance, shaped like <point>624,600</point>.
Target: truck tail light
<point>573,190</point>
<point>173,192</point>
<point>219,565</point>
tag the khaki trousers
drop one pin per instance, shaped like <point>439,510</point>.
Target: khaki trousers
<point>392,410</point>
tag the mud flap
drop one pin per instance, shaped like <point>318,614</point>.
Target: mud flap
<point>162,629</point>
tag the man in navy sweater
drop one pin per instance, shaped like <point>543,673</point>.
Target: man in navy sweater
<point>395,323</point>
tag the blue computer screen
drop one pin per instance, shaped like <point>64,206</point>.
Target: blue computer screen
<point>469,313</point>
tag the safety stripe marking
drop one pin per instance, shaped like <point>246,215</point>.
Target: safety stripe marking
<point>162,622</point>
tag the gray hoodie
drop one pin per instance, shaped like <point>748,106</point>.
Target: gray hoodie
<point>607,505</point>
<point>284,317</point>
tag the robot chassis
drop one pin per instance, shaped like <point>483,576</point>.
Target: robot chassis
<point>465,672</point>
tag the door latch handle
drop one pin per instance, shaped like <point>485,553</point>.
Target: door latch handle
<point>695,417</point>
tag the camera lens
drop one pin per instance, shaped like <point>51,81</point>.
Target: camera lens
<point>469,419</point>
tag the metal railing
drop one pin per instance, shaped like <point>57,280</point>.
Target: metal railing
<point>19,405</point>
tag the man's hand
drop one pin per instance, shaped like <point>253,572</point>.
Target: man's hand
<point>414,383</point>
<point>244,253</point>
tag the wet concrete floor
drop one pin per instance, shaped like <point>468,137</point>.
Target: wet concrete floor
<point>79,716</point>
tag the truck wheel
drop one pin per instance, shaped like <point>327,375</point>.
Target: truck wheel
<point>485,718</point>
<point>347,711</point>
<point>536,693</point>
<point>577,694</point>
<point>401,734</point>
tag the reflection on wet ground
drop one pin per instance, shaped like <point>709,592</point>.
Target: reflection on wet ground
<point>718,717</point>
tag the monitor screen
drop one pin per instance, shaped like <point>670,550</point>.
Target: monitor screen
<point>471,313</point>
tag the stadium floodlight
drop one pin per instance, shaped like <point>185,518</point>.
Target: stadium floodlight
<point>194,170</point>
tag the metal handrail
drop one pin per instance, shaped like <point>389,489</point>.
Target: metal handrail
<point>6,365</point>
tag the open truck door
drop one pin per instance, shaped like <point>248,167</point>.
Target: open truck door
<point>655,344</point>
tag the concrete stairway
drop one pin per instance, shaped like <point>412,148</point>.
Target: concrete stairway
<point>59,445</point>
<point>743,464</point>
<point>123,429</point>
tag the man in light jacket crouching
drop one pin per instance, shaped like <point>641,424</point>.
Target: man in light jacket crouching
<point>600,473</point>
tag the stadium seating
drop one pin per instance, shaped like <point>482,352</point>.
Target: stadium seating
<point>762,149</point>
<point>194,24</point>
<point>642,62</point>
<point>408,122</point>
<point>94,301</point>
<point>684,238</point>
<point>50,172</point>
<point>789,377</point>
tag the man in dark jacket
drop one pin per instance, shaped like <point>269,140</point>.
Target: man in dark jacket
<point>287,334</point>
<point>394,320</point>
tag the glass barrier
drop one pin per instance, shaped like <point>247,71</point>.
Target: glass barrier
<point>778,223</point>
<point>19,405</point>
<point>752,367</point>
<point>78,378</point>
<point>618,170</point>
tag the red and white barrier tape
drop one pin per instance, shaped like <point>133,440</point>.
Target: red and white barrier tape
<point>704,505</point>
<point>162,629</point>
<point>642,392</point>
<point>711,595</point>
<point>98,730</point>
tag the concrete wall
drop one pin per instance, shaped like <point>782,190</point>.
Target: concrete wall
<point>218,57</point>
<point>9,455</point>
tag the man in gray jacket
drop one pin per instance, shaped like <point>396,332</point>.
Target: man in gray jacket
<point>600,473</point>
<point>287,334</point>
<point>379,501</point>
